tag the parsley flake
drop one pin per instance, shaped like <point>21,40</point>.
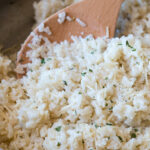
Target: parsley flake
<point>75,112</point>
<point>83,74</point>
<point>127,44</point>
<point>80,93</point>
<point>58,129</point>
<point>106,104</point>
<point>49,59</point>
<point>65,83</point>
<point>109,124</point>
<point>106,78</point>
<point>58,144</point>
<point>92,52</point>
<point>119,44</point>
<point>133,135</point>
<point>120,138</point>
<point>111,101</point>
<point>90,70</point>
<point>96,126</point>
<point>136,130</point>
<point>42,61</point>
<point>110,108</point>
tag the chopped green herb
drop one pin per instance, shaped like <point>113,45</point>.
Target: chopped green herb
<point>58,144</point>
<point>136,130</point>
<point>42,61</point>
<point>133,135</point>
<point>82,57</point>
<point>75,112</point>
<point>80,93</point>
<point>96,126</point>
<point>109,124</point>
<point>106,104</point>
<point>111,101</point>
<point>103,86</point>
<point>119,44</point>
<point>108,138</point>
<point>83,74</point>
<point>114,85</point>
<point>58,128</point>
<point>92,52</point>
<point>90,70</point>
<point>110,108</point>
<point>49,59</point>
<point>65,83</point>
<point>133,50</point>
<point>106,78</point>
<point>120,138</point>
<point>127,44</point>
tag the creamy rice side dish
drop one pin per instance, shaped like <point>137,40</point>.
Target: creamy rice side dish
<point>92,94</point>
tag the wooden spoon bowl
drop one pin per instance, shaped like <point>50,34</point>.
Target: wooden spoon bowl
<point>83,18</point>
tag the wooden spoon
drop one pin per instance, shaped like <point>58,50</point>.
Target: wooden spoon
<point>86,17</point>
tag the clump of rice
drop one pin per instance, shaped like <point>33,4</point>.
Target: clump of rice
<point>61,17</point>
<point>89,94</point>
<point>45,8</point>
<point>42,28</point>
<point>79,94</point>
<point>69,18</point>
<point>80,22</point>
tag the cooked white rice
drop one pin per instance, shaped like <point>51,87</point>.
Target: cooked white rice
<point>80,22</point>
<point>92,94</point>
<point>45,8</point>
<point>61,17</point>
